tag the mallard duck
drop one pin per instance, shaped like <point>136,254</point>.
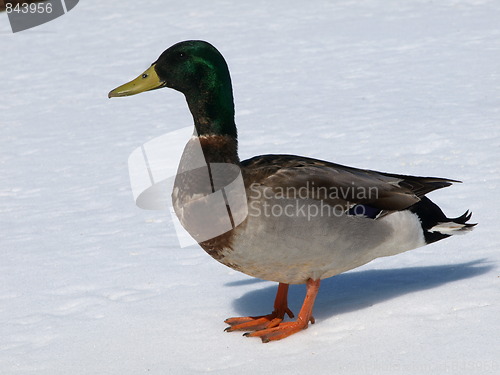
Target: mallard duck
<point>359,215</point>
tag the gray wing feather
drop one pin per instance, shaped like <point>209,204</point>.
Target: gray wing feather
<point>336,184</point>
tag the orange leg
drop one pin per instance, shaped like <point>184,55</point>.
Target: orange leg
<point>289,328</point>
<point>255,323</point>
<point>271,328</point>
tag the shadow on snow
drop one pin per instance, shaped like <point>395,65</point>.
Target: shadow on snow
<point>353,291</point>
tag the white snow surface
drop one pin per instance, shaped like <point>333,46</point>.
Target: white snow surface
<point>91,284</point>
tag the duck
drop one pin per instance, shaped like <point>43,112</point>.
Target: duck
<point>296,220</point>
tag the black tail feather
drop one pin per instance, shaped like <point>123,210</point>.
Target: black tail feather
<point>464,219</point>
<point>430,216</point>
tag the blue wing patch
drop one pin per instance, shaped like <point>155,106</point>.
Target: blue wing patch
<point>364,210</point>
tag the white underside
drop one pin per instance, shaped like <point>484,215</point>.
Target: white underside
<point>292,249</point>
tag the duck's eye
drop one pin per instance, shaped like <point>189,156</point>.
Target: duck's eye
<point>144,75</point>
<point>182,54</point>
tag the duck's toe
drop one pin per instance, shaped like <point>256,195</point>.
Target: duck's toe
<point>280,331</point>
<point>255,323</point>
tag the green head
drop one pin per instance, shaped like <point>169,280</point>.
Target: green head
<point>199,71</point>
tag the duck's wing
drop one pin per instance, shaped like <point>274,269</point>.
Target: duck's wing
<point>334,184</point>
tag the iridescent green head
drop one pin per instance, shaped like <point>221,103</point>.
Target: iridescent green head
<point>199,71</point>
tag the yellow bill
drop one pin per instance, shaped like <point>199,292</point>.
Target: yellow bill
<point>148,80</point>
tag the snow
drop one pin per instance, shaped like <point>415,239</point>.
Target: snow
<point>91,284</point>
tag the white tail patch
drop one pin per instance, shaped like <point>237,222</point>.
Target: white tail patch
<point>450,228</point>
